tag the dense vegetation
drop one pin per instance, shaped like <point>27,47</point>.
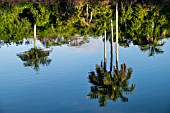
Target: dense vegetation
<point>63,21</point>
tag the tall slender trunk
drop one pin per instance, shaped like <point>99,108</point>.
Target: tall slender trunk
<point>153,25</point>
<point>87,12</point>
<point>117,66</point>
<point>91,15</point>
<point>117,54</point>
<point>34,35</point>
<point>111,42</point>
<point>105,51</point>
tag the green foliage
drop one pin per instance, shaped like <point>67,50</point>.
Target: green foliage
<point>110,86</point>
<point>34,57</point>
<point>67,20</point>
<point>12,27</point>
<point>40,14</point>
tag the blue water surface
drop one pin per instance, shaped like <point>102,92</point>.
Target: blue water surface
<point>62,87</point>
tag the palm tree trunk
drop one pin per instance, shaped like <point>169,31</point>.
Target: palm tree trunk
<point>105,51</point>
<point>91,15</point>
<point>153,25</point>
<point>111,59</point>
<point>34,35</point>
<point>117,66</point>
<point>87,13</point>
<point>117,32</point>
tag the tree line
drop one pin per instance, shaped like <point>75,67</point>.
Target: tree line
<point>138,22</point>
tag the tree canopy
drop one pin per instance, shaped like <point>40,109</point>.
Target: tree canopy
<point>138,22</point>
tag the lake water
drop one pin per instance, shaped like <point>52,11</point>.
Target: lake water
<point>62,87</point>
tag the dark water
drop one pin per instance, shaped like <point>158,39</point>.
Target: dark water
<point>62,87</point>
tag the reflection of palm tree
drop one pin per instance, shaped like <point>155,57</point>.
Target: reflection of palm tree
<point>110,86</point>
<point>34,57</point>
<point>152,47</point>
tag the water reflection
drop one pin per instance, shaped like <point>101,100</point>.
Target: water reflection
<point>35,57</point>
<point>58,41</point>
<point>152,46</point>
<point>110,85</point>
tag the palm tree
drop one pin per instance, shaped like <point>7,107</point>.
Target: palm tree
<point>108,86</point>
<point>34,57</point>
<point>152,47</point>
